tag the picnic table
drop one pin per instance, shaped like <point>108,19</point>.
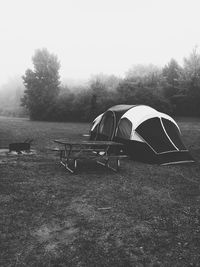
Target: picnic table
<point>100,151</point>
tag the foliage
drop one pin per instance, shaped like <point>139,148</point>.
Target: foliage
<point>147,75</point>
<point>171,76</point>
<point>192,71</point>
<point>10,98</point>
<point>174,90</point>
<point>109,81</point>
<point>190,83</point>
<point>171,73</point>
<point>42,85</point>
<point>137,94</point>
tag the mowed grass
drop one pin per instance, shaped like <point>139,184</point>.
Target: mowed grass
<point>144,215</point>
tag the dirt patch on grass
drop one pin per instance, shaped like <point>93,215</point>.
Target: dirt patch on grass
<point>162,195</point>
<point>82,208</point>
<point>53,234</point>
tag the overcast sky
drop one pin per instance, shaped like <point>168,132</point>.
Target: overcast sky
<point>94,36</point>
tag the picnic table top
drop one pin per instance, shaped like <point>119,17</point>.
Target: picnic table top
<point>87,143</point>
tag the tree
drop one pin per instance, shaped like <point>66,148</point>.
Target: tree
<point>110,82</point>
<point>98,93</point>
<point>191,82</point>
<point>171,74</point>
<point>192,73</point>
<point>148,75</point>
<point>42,85</point>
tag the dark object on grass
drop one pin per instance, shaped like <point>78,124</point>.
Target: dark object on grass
<point>22,146</point>
<point>147,134</point>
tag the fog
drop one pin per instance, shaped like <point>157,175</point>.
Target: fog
<point>94,36</point>
<point>10,97</point>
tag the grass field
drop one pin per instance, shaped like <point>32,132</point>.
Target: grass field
<point>144,215</point>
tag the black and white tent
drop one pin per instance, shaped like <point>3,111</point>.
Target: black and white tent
<point>148,135</point>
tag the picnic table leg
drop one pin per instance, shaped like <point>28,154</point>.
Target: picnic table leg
<point>65,159</point>
<point>75,164</point>
<point>117,162</point>
<point>106,164</point>
<point>102,163</point>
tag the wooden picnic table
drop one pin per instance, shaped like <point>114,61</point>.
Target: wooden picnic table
<point>100,151</point>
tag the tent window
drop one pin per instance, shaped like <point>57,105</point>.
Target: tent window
<point>173,133</point>
<point>124,129</point>
<point>153,133</point>
<point>107,125</point>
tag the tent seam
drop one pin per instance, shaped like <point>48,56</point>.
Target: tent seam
<point>168,135</point>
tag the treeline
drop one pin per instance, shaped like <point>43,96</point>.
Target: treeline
<point>87,103</point>
<point>173,89</point>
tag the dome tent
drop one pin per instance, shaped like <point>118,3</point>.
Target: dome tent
<point>148,135</point>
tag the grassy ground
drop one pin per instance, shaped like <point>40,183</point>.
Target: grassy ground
<point>145,215</point>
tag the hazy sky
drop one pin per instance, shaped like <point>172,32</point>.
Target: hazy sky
<point>93,36</point>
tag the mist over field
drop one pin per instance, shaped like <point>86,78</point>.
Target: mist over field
<point>62,64</point>
<point>108,42</point>
<point>42,94</point>
<point>10,97</point>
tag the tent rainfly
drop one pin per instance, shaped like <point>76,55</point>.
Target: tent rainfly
<point>148,135</point>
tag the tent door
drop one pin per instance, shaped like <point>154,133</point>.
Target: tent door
<point>107,126</point>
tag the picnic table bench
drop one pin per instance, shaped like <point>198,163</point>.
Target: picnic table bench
<point>100,151</point>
